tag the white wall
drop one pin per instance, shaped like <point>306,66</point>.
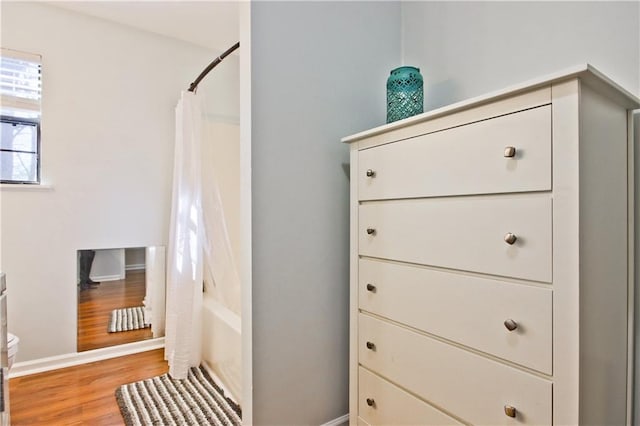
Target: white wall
<point>318,74</point>
<point>109,94</point>
<point>465,49</point>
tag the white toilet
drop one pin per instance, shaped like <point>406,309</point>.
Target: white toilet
<point>12,347</point>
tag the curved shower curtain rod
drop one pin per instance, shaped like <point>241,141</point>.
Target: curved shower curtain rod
<point>211,66</point>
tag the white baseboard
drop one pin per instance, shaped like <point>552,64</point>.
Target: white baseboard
<point>134,267</point>
<point>342,420</point>
<point>101,278</point>
<point>68,360</point>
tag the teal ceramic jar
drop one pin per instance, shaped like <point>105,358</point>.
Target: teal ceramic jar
<point>405,93</point>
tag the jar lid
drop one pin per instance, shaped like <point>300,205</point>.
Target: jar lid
<point>405,67</point>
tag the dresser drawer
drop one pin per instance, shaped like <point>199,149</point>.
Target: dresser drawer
<point>468,159</point>
<point>382,403</point>
<point>465,233</point>
<point>475,388</point>
<point>466,309</point>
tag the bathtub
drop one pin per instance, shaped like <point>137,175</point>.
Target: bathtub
<point>221,345</point>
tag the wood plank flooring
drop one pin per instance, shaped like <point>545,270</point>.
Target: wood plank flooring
<point>95,306</point>
<point>80,395</point>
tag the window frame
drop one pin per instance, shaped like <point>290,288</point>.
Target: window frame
<point>30,122</point>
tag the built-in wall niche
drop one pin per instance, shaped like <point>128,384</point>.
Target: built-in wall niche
<point>121,296</point>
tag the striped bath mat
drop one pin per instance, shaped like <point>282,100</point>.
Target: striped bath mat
<point>127,319</point>
<point>161,400</point>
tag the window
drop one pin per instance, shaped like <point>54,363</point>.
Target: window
<point>20,92</point>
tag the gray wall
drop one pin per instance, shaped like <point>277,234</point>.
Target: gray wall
<point>318,74</point>
<point>467,49</point>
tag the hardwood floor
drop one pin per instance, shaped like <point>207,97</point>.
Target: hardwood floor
<point>95,306</point>
<point>80,395</point>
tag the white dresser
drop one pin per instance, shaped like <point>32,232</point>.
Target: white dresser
<point>492,260</point>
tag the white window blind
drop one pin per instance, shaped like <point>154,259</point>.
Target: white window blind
<point>20,82</point>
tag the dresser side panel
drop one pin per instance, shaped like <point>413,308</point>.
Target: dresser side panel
<point>353,286</point>
<point>566,277</point>
<point>603,260</point>
<point>633,121</point>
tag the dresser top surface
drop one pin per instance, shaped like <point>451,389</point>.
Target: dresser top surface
<point>587,74</point>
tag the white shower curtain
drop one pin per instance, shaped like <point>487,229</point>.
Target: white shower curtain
<point>185,254</point>
<point>221,279</point>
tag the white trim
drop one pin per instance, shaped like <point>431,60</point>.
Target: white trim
<point>245,260</point>
<point>101,278</point>
<point>25,187</point>
<point>337,422</point>
<point>24,104</point>
<point>631,264</point>
<point>18,54</point>
<point>68,360</point>
<point>134,267</point>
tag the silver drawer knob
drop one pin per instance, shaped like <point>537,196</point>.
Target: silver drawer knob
<point>371,231</point>
<point>510,238</point>
<point>510,324</point>
<point>371,345</point>
<point>371,402</point>
<point>371,173</point>
<point>371,288</point>
<point>510,411</point>
<point>510,152</point>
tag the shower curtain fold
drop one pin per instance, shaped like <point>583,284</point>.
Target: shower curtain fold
<point>185,248</point>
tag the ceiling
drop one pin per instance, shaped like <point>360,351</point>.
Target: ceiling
<point>209,24</point>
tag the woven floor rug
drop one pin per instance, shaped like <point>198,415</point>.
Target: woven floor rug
<point>161,400</point>
<point>127,319</point>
